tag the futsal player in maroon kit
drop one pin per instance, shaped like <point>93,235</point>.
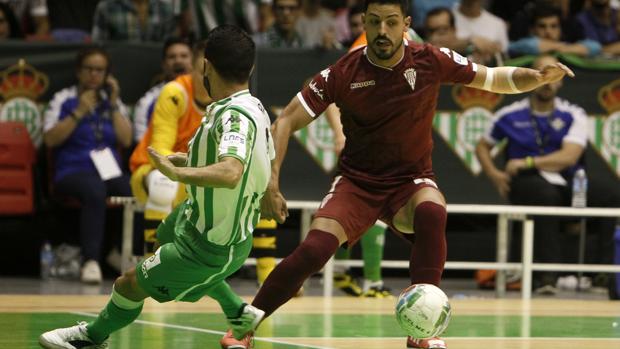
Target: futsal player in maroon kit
<point>387,94</point>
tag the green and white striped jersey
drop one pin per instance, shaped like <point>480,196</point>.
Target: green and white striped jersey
<point>237,126</point>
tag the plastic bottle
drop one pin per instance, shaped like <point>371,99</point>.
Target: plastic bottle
<point>47,260</point>
<point>617,259</point>
<point>580,189</point>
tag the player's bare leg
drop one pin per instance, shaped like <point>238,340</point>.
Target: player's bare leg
<point>425,214</point>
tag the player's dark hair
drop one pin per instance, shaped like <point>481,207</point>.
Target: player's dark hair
<point>231,51</point>
<point>404,4</point>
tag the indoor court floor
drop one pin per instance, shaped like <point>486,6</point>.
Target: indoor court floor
<point>317,322</point>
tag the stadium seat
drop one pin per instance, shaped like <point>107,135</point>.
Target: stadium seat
<point>17,157</point>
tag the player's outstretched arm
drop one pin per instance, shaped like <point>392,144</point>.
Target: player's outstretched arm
<point>293,118</point>
<point>517,80</point>
<point>224,174</point>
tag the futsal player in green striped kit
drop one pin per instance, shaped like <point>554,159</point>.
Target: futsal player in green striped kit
<point>209,236</point>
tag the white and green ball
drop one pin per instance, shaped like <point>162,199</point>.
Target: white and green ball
<point>423,311</point>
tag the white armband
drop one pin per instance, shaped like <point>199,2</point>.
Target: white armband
<point>488,81</point>
<point>511,83</point>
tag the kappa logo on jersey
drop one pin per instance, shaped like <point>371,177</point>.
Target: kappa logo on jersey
<point>410,74</point>
<point>362,84</point>
<point>325,74</point>
<point>318,91</point>
<point>456,57</point>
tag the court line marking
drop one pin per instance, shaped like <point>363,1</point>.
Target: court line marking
<point>268,340</point>
<point>202,330</point>
<point>468,338</point>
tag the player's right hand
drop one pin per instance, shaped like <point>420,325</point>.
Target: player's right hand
<point>273,206</point>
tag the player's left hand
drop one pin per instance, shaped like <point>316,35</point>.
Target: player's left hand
<point>513,166</point>
<point>553,73</point>
<point>163,164</point>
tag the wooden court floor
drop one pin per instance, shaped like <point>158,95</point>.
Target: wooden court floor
<point>320,323</point>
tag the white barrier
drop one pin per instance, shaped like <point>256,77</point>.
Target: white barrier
<point>505,213</point>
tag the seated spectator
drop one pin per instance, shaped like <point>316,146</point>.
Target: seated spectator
<point>31,16</point>
<point>472,20</point>
<point>519,12</point>
<point>601,23</point>
<point>134,20</point>
<point>9,28</point>
<point>176,61</point>
<point>84,125</point>
<point>282,34</point>
<point>546,37</point>
<point>546,138</point>
<point>177,114</point>
<point>71,20</point>
<point>440,31</point>
<point>421,8</point>
<point>356,25</point>
<point>204,15</point>
<point>317,26</point>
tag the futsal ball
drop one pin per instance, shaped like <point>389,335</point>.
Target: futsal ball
<point>423,311</point>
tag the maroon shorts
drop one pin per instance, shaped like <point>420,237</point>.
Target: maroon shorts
<point>357,207</point>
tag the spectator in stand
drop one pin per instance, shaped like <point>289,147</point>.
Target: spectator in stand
<point>204,15</point>
<point>9,28</point>
<point>84,125</point>
<point>440,31</point>
<point>356,25</point>
<point>31,16</point>
<point>546,37</point>
<point>421,8</point>
<point>471,19</point>
<point>519,13</point>
<point>547,137</point>
<point>282,34</point>
<point>176,61</point>
<point>134,20</point>
<point>71,20</point>
<point>601,23</point>
<point>317,26</point>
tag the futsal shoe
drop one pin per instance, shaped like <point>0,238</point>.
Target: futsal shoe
<point>431,343</point>
<point>376,290</point>
<point>247,322</point>
<point>347,284</point>
<point>75,337</point>
<point>229,341</point>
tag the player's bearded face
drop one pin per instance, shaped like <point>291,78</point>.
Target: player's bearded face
<point>384,25</point>
<point>384,48</point>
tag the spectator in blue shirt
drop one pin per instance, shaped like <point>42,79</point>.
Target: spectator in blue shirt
<point>82,122</point>
<point>601,23</point>
<point>546,139</point>
<point>546,37</point>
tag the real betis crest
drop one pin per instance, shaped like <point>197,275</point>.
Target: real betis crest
<point>462,130</point>
<point>318,140</point>
<point>605,131</point>
<point>20,86</point>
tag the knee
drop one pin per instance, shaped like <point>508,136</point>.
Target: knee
<point>162,191</point>
<point>430,211</point>
<point>126,281</point>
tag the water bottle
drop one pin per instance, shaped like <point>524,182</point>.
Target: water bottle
<point>580,189</point>
<point>617,259</point>
<point>47,260</point>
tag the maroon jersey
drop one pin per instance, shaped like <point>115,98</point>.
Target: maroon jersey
<point>387,113</point>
